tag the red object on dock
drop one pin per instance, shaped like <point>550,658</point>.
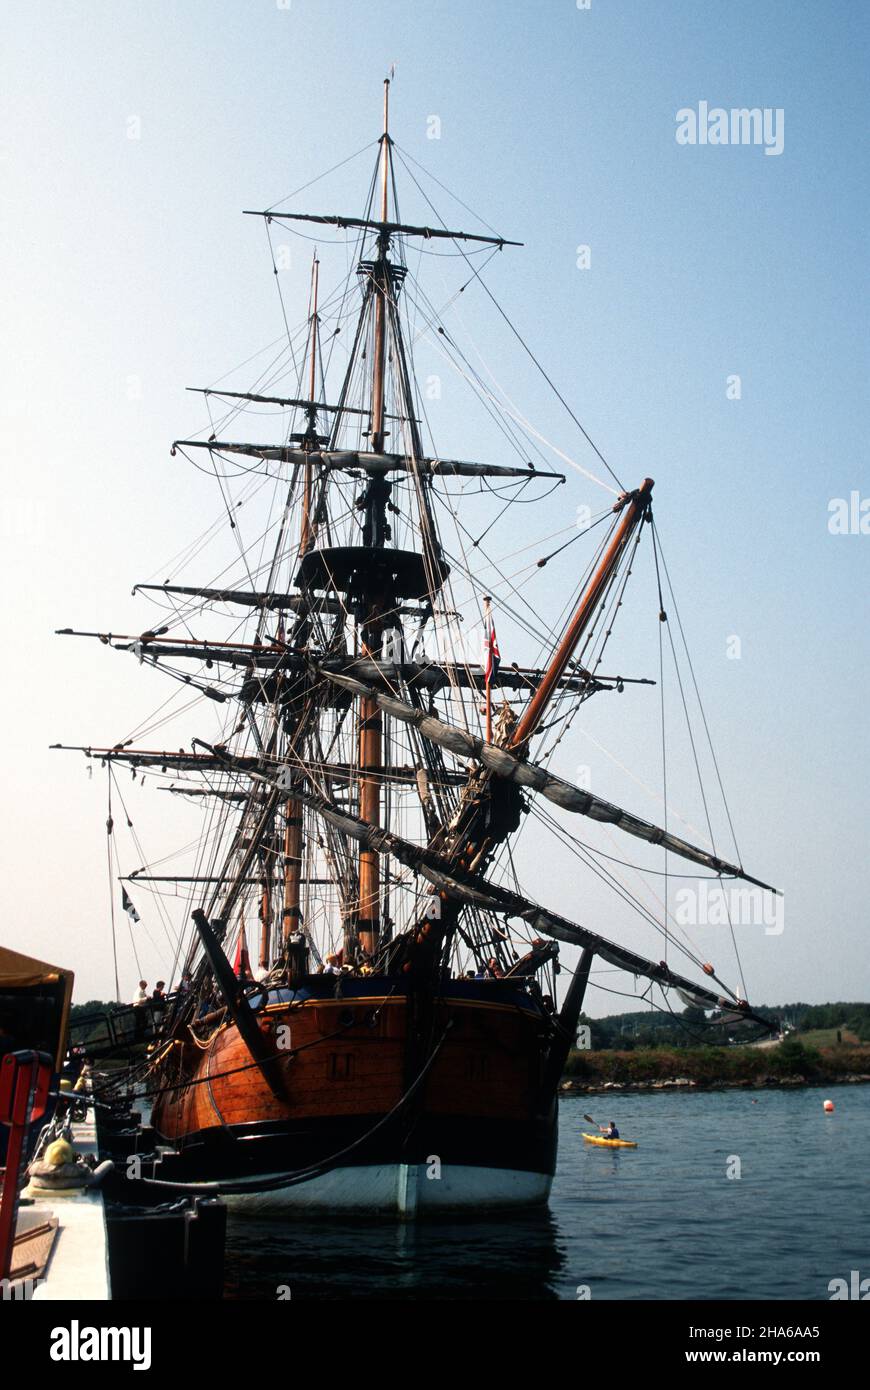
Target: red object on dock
<point>25,1078</point>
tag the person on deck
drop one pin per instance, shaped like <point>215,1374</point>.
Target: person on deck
<point>610,1131</point>
<point>140,1014</point>
<point>158,1002</point>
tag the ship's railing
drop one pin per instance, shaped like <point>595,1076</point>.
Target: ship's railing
<point>118,1029</point>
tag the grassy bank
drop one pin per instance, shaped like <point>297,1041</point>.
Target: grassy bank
<point>792,1062</point>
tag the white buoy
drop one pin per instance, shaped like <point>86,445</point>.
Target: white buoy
<point>829,1107</point>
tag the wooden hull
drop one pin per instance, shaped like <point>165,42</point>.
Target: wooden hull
<point>348,1122</point>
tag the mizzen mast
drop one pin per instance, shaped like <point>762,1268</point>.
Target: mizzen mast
<point>291,917</point>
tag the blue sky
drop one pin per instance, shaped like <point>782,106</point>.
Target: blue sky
<point>129,274</point>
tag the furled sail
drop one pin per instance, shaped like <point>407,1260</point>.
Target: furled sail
<point>353,460</point>
<point>570,798</point>
<point>384,226</point>
<point>431,676</point>
<point>477,892</point>
<point>247,597</point>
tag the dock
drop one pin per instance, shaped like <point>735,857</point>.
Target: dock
<point>66,1256</point>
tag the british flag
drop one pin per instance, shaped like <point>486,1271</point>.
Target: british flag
<point>491,653</point>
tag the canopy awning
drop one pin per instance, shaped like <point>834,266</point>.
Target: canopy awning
<point>19,973</point>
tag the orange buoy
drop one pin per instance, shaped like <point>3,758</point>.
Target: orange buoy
<point>829,1107</point>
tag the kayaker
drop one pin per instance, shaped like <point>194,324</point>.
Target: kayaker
<point>609,1131</point>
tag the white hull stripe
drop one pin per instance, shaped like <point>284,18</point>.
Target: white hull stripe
<point>401,1188</point>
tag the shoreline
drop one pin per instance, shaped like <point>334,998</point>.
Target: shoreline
<point>685,1083</point>
<point>789,1064</point>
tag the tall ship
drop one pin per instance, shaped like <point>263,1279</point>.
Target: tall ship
<point>366,1009</point>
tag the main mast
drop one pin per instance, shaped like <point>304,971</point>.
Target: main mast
<point>370,717</point>
<point>311,441</point>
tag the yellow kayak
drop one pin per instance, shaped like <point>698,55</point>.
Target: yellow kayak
<point>609,1143</point>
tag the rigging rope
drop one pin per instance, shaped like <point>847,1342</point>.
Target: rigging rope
<point>522,342</point>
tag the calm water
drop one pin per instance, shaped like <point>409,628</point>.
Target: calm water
<point>662,1221</point>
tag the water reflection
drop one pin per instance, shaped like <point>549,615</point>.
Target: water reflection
<point>440,1258</point>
